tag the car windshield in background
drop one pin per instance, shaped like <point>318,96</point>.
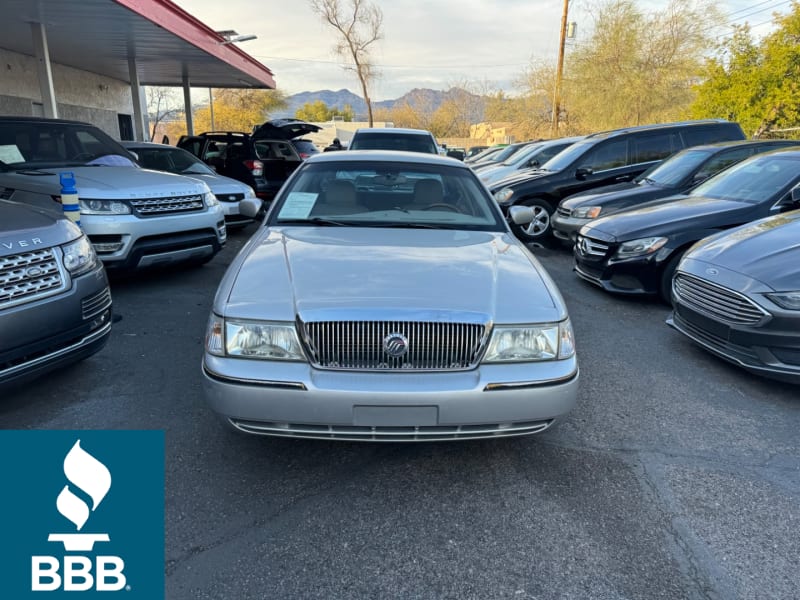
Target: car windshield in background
<point>387,194</point>
<point>752,181</point>
<point>38,145</point>
<point>408,142</point>
<point>172,160</point>
<point>521,155</point>
<point>566,157</point>
<point>675,170</point>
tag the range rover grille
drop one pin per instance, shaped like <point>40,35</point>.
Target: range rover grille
<point>149,207</point>
<point>717,301</point>
<point>417,345</point>
<point>30,276</point>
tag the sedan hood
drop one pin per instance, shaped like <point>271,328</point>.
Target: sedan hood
<point>107,183</point>
<point>606,194</point>
<point>518,177</point>
<point>669,216</point>
<point>24,228</point>
<point>767,250</point>
<point>323,273</point>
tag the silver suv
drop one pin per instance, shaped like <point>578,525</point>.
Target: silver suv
<point>394,138</point>
<point>55,304</point>
<point>133,217</point>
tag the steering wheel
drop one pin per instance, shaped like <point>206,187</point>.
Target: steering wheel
<point>444,206</point>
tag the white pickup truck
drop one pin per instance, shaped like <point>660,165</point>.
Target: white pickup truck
<point>133,217</point>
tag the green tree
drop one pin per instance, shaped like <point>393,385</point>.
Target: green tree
<point>318,111</point>
<point>638,67</point>
<point>755,84</point>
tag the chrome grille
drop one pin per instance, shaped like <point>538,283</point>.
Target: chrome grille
<point>158,206</point>
<point>589,247</point>
<point>564,212</point>
<point>30,276</point>
<point>717,301</point>
<point>92,306</point>
<point>360,344</point>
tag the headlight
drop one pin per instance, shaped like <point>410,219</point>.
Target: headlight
<point>531,343</point>
<point>250,193</point>
<point>252,339</point>
<point>504,195</point>
<point>79,256</point>
<point>587,212</point>
<point>640,247</point>
<point>104,207</point>
<point>210,199</point>
<point>787,300</point>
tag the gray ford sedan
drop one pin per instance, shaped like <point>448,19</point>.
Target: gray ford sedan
<point>385,299</point>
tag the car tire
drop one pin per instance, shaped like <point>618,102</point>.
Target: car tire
<point>665,283</point>
<point>540,230</point>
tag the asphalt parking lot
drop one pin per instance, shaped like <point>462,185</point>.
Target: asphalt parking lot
<point>676,476</point>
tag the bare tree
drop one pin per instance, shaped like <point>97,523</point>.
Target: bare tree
<point>161,106</point>
<point>359,25</point>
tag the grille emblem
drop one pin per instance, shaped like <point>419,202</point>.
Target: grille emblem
<point>34,271</point>
<point>712,272</point>
<point>584,245</point>
<point>395,345</point>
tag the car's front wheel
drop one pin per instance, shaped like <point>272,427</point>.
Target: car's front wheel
<point>540,229</point>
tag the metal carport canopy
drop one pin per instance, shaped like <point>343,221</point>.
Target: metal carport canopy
<point>168,44</point>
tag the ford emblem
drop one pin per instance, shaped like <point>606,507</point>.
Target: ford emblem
<point>395,345</point>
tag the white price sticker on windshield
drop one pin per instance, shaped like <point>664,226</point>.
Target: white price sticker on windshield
<point>298,205</point>
<point>10,154</point>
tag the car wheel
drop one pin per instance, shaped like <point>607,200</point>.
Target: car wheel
<point>540,229</point>
<point>665,286</point>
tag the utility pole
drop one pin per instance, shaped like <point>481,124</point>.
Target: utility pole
<point>559,72</point>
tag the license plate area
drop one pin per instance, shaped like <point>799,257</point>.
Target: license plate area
<point>396,416</point>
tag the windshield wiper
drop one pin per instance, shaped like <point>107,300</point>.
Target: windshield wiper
<point>316,221</point>
<point>412,226</point>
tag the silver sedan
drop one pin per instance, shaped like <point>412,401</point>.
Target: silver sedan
<point>385,299</point>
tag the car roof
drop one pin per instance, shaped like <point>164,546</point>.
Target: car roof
<point>401,130</point>
<point>719,146</point>
<point>656,127</point>
<point>387,156</point>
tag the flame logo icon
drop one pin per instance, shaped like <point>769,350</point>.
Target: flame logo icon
<point>92,477</point>
<point>88,474</point>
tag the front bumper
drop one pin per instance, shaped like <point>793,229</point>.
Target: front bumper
<point>631,276</point>
<point>566,228</point>
<point>56,331</point>
<point>296,400</point>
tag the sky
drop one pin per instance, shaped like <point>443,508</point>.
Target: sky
<point>435,44</point>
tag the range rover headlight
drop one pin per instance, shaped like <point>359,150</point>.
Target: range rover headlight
<point>641,246</point>
<point>529,343</point>
<point>262,340</point>
<point>210,199</point>
<point>249,192</point>
<point>587,212</point>
<point>787,300</point>
<point>104,207</point>
<point>79,256</point>
<point>503,196</point>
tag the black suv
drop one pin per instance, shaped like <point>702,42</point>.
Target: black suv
<point>263,159</point>
<point>601,159</point>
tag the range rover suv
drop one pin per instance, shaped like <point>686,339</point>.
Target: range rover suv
<point>598,160</point>
<point>133,217</point>
<point>55,304</point>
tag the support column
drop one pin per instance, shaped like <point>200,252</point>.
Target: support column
<point>136,96</point>
<point>44,70</point>
<point>187,105</point>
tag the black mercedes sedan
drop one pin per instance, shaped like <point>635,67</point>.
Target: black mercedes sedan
<point>676,175</point>
<point>737,294</point>
<point>637,251</point>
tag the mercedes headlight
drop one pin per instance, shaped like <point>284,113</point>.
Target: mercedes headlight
<point>641,247</point>
<point>503,195</point>
<point>787,300</point>
<point>528,343</point>
<point>210,199</point>
<point>104,207</point>
<point>587,212</point>
<point>262,340</point>
<point>79,256</point>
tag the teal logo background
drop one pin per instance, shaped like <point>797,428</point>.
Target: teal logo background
<point>131,513</point>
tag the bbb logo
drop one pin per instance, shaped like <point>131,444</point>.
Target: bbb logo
<point>83,514</point>
<point>79,573</point>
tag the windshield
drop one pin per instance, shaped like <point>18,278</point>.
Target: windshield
<point>522,155</point>
<point>758,179</point>
<point>567,156</point>
<point>408,142</point>
<point>507,152</point>
<point>172,160</point>
<point>41,144</point>
<point>387,194</point>
<point>673,171</point>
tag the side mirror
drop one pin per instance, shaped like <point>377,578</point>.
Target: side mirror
<point>583,172</point>
<point>796,195</point>
<point>521,215</point>
<point>249,207</point>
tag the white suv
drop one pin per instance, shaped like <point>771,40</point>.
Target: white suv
<point>133,217</point>
<point>394,138</point>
